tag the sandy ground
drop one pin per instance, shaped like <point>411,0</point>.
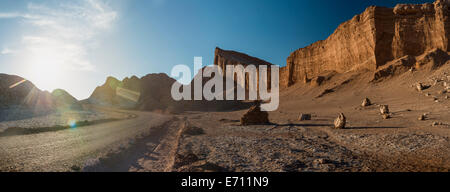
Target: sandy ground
<point>215,141</point>
<point>63,118</point>
<point>81,148</point>
<point>370,143</point>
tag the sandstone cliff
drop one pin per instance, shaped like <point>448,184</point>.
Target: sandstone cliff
<point>370,40</point>
<point>223,58</point>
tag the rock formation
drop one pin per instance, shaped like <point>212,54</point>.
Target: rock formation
<point>151,92</point>
<point>255,116</point>
<point>155,92</point>
<point>105,94</point>
<point>370,40</point>
<point>366,102</point>
<point>16,91</point>
<point>384,109</point>
<point>65,101</point>
<point>223,58</point>
<point>340,121</point>
<point>20,98</point>
<point>304,117</point>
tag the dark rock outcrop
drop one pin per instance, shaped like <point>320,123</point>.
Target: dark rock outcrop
<point>151,92</point>
<point>20,98</point>
<point>254,116</point>
<point>17,91</point>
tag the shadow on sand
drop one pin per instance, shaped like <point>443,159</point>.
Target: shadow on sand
<point>375,127</point>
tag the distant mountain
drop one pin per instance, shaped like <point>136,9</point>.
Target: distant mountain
<point>20,98</point>
<point>156,92</point>
<point>106,93</point>
<point>65,101</point>
<point>18,92</point>
<point>151,92</point>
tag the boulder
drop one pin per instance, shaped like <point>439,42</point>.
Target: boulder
<point>419,87</point>
<point>366,102</point>
<point>304,117</point>
<point>436,124</point>
<point>255,116</point>
<point>384,109</point>
<point>340,121</point>
<point>422,117</point>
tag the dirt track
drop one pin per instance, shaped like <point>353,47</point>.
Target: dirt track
<point>73,149</point>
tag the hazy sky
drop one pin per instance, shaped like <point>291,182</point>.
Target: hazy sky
<point>75,45</point>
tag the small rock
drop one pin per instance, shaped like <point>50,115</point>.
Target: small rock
<point>319,161</point>
<point>422,117</point>
<point>384,109</point>
<point>435,124</point>
<point>427,94</point>
<point>75,168</point>
<point>419,86</point>
<point>442,92</point>
<point>255,116</point>
<point>340,121</point>
<point>366,102</point>
<point>304,117</point>
<point>386,116</point>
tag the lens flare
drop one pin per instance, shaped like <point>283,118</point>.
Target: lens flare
<point>72,123</point>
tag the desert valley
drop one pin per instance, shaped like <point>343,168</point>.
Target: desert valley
<point>372,97</point>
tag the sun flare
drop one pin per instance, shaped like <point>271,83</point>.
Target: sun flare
<point>45,65</point>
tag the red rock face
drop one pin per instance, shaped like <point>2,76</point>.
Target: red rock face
<point>223,58</point>
<point>371,39</point>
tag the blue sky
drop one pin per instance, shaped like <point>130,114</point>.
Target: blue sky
<point>75,45</point>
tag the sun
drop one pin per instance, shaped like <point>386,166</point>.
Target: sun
<point>45,67</point>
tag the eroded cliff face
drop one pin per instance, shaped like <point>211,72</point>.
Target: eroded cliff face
<point>223,58</point>
<point>371,39</point>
